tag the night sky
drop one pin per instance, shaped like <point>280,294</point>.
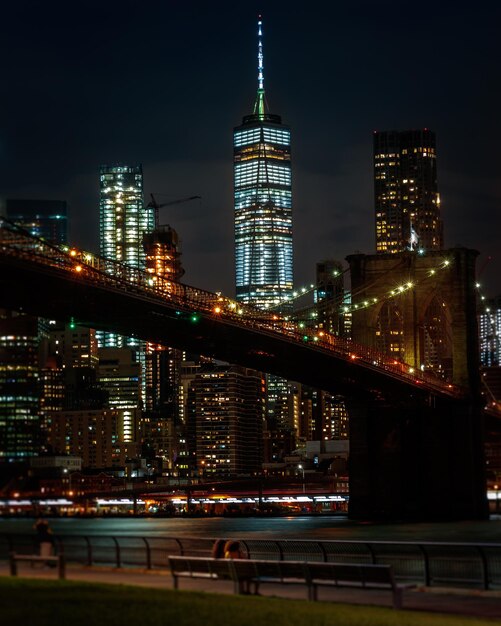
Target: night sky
<point>163,83</point>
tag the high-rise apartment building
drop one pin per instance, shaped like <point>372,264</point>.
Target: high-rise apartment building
<point>228,414</point>
<point>263,203</point>
<point>101,438</point>
<point>407,202</point>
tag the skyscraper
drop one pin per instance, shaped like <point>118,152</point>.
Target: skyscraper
<point>27,385</point>
<point>123,220</point>
<point>263,203</point>
<point>489,323</point>
<point>263,218</point>
<point>123,217</point>
<point>407,202</point>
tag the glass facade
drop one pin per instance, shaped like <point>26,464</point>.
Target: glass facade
<point>123,220</point>
<point>27,387</point>
<point>263,219</point>
<point>263,203</point>
<point>489,323</point>
<point>123,217</point>
<point>263,211</point>
<point>407,202</point>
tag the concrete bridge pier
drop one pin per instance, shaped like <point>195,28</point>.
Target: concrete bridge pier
<point>417,460</point>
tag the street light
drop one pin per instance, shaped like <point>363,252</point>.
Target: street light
<point>302,469</point>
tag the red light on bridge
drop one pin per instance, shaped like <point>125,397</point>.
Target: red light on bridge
<point>78,268</point>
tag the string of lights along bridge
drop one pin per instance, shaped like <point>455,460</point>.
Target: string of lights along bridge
<point>192,303</point>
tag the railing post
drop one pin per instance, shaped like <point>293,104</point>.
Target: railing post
<point>485,567</point>
<point>280,551</point>
<point>179,543</point>
<point>89,551</point>
<point>324,551</point>
<point>59,544</point>
<point>117,551</point>
<point>148,552</point>
<point>426,558</point>
<point>372,553</point>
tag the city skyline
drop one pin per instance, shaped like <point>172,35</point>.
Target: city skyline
<point>83,101</point>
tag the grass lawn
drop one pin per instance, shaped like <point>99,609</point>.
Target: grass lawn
<point>65,603</point>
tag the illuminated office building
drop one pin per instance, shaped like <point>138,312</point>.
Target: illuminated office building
<point>101,438</point>
<point>19,385</point>
<point>407,202</point>
<point>29,385</point>
<point>123,217</point>
<point>228,402</point>
<point>263,203</point>
<point>123,220</point>
<point>163,364</point>
<point>489,323</point>
<point>263,220</point>
<point>120,376</point>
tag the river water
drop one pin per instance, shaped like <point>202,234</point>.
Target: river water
<point>302,527</point>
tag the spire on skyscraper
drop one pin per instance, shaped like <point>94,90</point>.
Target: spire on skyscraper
<point>259,104</point>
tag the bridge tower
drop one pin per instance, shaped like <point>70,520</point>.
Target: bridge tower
<point>418,458</point>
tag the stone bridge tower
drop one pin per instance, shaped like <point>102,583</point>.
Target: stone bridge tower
<point>421,308</point>
<point>418,457</point>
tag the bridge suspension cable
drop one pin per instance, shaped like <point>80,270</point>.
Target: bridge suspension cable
<point>190,303</point>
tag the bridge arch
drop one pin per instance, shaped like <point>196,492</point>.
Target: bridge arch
<point>414,284</point>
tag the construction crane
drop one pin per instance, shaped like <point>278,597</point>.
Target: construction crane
<point>153,204</point>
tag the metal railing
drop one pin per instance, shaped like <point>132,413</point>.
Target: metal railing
<point>90,268</point>
<point>465,565</point>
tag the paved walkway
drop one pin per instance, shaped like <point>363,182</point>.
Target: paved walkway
<point>453,601</point>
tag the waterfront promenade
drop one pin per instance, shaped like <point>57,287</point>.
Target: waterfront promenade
<point>482,604</point>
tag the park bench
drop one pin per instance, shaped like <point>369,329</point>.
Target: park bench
<point>58,560</point>
<point>355,576</point>
<point>200,567</point>
<point>312,575</point>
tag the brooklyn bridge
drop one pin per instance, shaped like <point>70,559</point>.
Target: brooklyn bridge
<point>416,446</point>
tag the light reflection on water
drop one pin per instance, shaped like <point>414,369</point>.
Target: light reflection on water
<point>303,527</point>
